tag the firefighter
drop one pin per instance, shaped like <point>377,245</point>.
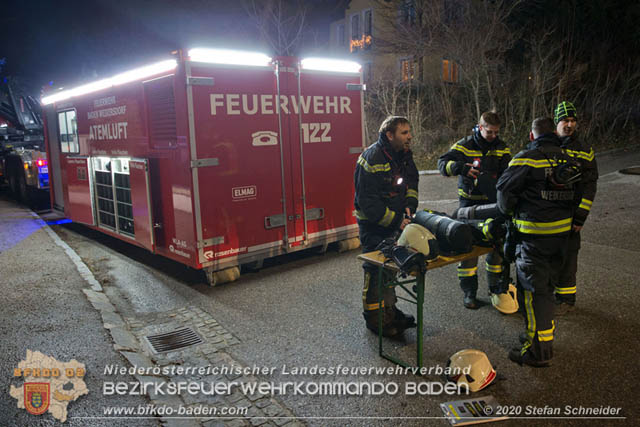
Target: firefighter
<point>536,190</point>
<point>386,196</point>
<point>566,124</point>
<point>479,159</point>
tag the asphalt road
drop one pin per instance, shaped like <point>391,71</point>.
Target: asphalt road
<point>304,310</point>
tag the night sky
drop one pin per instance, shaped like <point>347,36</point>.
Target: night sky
<point>72,41</point>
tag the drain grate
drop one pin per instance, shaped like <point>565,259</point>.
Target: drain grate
<point>170,341</point>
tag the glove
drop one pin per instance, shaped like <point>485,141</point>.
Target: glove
<point>464,168</point>
<point>510,243</point>
<point>497,228</point>
<point>386,246</point>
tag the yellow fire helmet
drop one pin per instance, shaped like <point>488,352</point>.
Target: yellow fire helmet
<point>471,368</point>
<point>506,303</point>
<point>420,239</point>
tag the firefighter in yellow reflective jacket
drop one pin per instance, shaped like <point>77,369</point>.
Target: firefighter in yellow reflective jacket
<point>566,119</point>
<point>386,196</point>
<point>537,191</point>
<point>479,159</point>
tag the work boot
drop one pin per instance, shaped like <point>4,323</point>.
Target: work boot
<point>403,321</point>
<point>470,301</point>
<point>515,355</point>
<point>563,307</point>
<point>389,330</point>
<point>523,337</point>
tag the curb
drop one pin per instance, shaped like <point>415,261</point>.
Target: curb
<point>82,268</point>
<point>429,172</point>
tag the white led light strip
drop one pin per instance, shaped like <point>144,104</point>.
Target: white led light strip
<point>325,64</point>
<point>129,76</point>
<point>231,57</point>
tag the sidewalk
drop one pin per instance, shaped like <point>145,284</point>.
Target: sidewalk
<point>45,309</point>
<point>54,305</point>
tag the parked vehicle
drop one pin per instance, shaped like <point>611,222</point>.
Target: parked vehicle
<point>214,159</point>
<point>23,160</point>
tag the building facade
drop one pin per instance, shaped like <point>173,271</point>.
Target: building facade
<point>368,34</point>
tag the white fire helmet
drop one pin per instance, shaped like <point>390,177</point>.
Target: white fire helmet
<point>416,237</point>
<point>471,368</point>
<point>507,302</point>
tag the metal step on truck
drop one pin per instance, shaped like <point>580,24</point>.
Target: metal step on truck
<point>23,159</point>
<point>212,158</point>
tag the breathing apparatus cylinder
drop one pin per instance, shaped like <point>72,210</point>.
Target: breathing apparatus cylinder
<point>453,236</point>
<point>477,212</point>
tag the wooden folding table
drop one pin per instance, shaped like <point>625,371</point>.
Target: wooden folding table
<point>418,278</point>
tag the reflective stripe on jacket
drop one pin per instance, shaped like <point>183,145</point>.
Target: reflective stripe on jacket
<point>386,182</point>
<point>528,191</point>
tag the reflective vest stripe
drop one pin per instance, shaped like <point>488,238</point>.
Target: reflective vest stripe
<point>375,306</point>
<point>522,161</point>
<point>360,215</point>
<point>471,196</point>
<point>386,220</point>
<point>467,272</point>
<point>493,268</point>
<point>450,164</point>
<point>485,230</point>
<point>388,217</point>
<point>547,334</point>
<point>531,319</point>
<point>555,227</point>
<point>582,154</point>
<point>412,193</point>
<point>466,151</point>
<point>385,167</point>
<point>585,204</point>
<point>499,153</point>
<point>566,291</point>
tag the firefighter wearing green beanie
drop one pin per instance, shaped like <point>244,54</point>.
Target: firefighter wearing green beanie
<point>566,118</point>
<point>565,110</point>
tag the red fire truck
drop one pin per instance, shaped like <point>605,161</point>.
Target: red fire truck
<point>214,159</point>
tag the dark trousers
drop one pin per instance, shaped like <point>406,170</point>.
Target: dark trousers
<point>370,237</point>
<point>566,289</point>
<point>497,274</point>
<point>538,264</point>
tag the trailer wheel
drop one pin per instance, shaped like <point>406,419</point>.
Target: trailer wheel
<point>253,266</point>
<point>13,183</point>
<point>348,244</point>
<point>215,278</point>
<point>321,249</point>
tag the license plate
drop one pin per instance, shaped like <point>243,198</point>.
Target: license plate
<point>44,169</point>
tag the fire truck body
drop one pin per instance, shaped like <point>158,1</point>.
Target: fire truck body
<point>23,162</point>
<point>212,165</point>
